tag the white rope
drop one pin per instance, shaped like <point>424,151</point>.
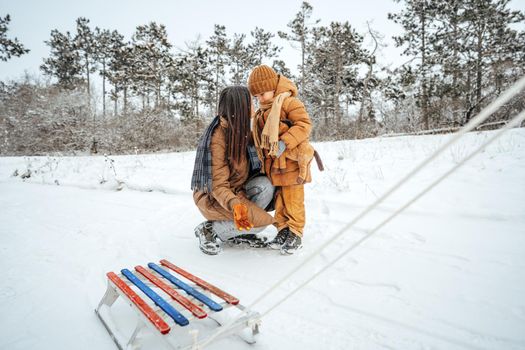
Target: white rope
<point>483,115</point>
<point>514,122</point>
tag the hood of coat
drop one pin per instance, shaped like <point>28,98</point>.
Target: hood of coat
<point>284,85</point>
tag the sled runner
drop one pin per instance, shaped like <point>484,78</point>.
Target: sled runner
<point>182,314</point>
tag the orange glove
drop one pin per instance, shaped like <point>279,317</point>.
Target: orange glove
<point>240,217</point>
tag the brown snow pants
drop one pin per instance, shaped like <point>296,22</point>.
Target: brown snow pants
<point>289,209</point>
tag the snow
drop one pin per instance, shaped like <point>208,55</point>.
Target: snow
<point>445,274</point>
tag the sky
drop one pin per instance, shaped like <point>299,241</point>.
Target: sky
<point>33,20</point>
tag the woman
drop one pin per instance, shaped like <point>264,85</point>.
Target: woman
<point>225,185</point>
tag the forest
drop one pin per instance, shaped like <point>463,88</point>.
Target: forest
<point>100,92</point>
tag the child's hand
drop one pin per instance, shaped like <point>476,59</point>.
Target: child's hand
<point>282,148</point>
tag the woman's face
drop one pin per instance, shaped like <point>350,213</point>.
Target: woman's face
<point>265,96</point>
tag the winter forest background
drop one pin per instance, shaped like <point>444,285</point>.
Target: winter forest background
<point>460,54</point>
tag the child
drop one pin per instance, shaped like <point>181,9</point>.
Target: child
<point>280,130</point>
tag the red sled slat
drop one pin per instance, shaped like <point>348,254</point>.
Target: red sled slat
<point>157,321</point>
<point>194,309</point>
<point>230,299</point>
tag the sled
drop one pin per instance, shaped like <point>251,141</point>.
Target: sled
<point>182,313</point>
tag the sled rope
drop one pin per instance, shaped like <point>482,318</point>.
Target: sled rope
<point>514,122</point>
<point>473,123</point>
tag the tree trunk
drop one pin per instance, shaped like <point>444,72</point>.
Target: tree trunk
<point>338,77</point>
<point>196,102</point>
<point>424,92</point>
<point>325,113</point>
<point>104,88</point>
<point>479,58</point>
<point>125,101</point>
<point>468,103</point>
<point>214,106</point>
<point>303,48</point>
<point>366,95</point>
<point>157,97</point>
<point>87,76</point>
<point>455,68</point>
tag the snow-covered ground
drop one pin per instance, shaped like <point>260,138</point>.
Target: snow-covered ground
<point>446,274</point>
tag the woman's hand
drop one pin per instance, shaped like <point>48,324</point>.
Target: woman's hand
<point>240,217</point>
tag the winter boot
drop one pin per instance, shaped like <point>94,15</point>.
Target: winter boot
<point>292,243</point>
<point>279,240</point>
<point>207,239</point>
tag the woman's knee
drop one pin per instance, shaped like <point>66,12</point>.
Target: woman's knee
<point>260,191</point>
<point>259,186</point>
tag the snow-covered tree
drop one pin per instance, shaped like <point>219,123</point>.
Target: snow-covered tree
<point>103,55</point>
<point>64,61</point>
<point>371,81</point>
<point>261,48</point>
<point>191,78</point>
<point>465,53</point>
<point>334,62</point>
<point>492,42</point>
<point>299,36</point>
<point>280,67</point>
<point>151,61</point>
<point>9,47</point>
<point>239,59</point>
<point>417,20</point>
<point>218,50</point>
<point>85,44</point>
<point>119,72</point>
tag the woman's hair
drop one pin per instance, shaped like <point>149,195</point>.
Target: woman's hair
<point>235,105</point>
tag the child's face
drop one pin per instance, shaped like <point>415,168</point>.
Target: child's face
<point>265,96</point>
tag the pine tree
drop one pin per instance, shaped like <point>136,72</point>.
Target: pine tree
<point>477,51</point>
<point>300,34</point>
<point>85,44</point>
<point>64,61</point>
<point>218,50</point>
<point>86,47</point>
<point>262,49</point>
<point>9,47</point>
<point>103,54</point>
<point>190,79</point>
<point>280,67</point>
<point>239,59</point>
<point>491,40</point>
<point>336,56</point>
<point>120,70</point>
<point>417,21</point>
<point>370,82</point>
<point>151,61</point>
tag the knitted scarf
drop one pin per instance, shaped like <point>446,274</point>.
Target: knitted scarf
<point>201,178</point>
<point>269,137</point>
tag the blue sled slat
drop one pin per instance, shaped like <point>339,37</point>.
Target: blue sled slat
<point>190,290</point>
<point>159,301</point>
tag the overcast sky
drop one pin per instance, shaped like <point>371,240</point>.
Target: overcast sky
<point>33,20</point>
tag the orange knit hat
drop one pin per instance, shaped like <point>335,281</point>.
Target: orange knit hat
<point>262,78</point>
